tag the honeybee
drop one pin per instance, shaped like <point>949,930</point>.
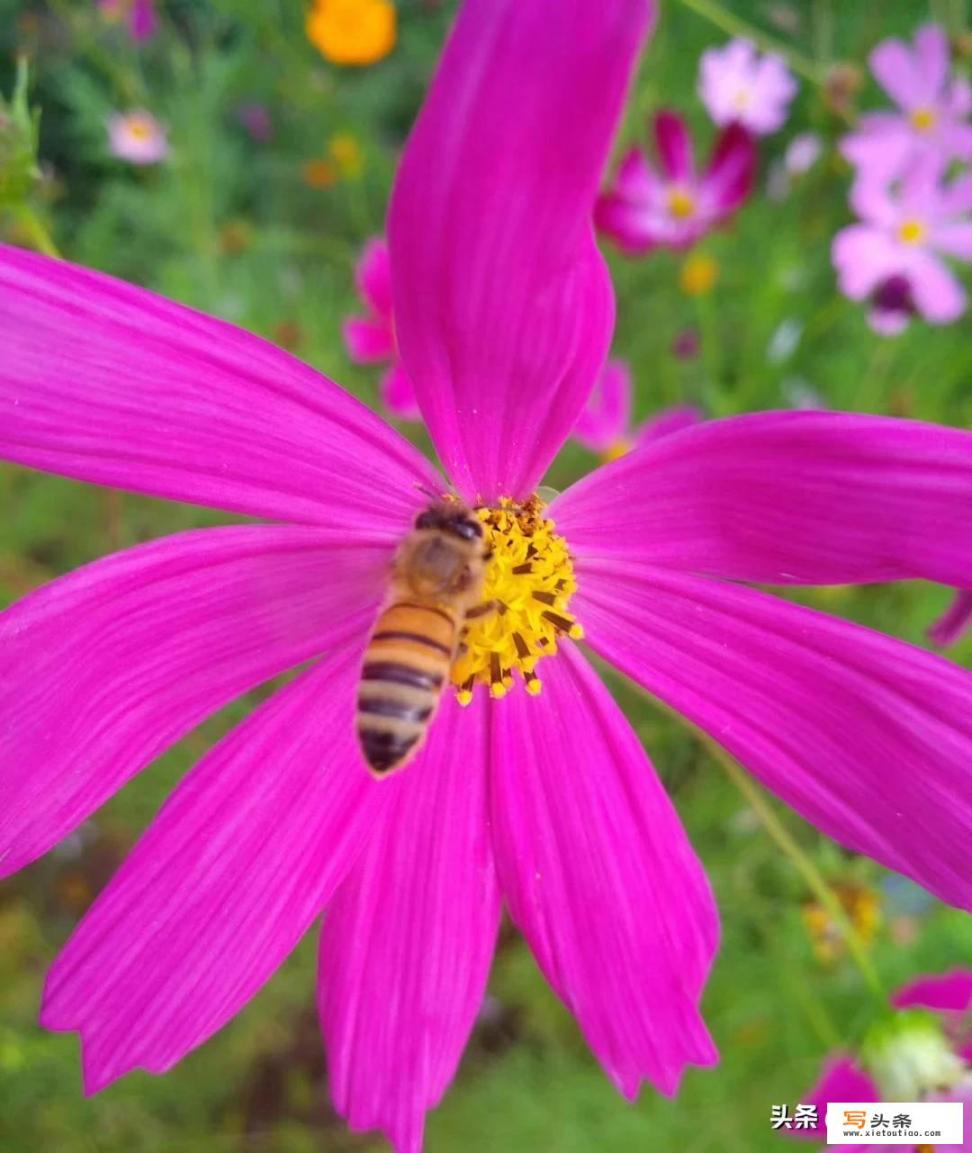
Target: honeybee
<point>437,582</point>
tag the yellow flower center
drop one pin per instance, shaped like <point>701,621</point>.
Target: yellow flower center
<point>355,32</point>
<point>617,450</point>
<point>139,128</point>
<point>529,581</point>
<point>681,204</point>
<point>923,119</point>
<point>912,232</point>
<point>698,275</point>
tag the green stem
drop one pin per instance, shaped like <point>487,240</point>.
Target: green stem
<point>734,25</point>
<point>805,867</point>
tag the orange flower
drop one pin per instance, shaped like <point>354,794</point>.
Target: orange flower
<point>352,31</point>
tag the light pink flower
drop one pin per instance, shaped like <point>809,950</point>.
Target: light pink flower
<point>737,84</point>
<point>646,209</point>
<point>370,339</point>
<point>955,622</point>
<point>137,137</point>
<point>943,1049</point>
<point>548,803</point>
<point>604,425</point>
<point>933,109</point>
<point>894,258</point>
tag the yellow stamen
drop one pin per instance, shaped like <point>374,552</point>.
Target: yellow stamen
<point>912,232</point>
<point>923,119</point>
<point>139,128</point>
<point>681,204</point>
<point>528,584</point>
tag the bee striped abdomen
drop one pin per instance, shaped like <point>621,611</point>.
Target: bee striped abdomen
<point>405,667</point>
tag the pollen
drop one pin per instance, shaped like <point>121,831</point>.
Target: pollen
<point>923,119</point>
<point>681,204</point>
<point>911,232</point>
<point>528,584</point>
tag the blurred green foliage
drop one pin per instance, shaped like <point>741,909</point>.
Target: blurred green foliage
<point>231,225</point>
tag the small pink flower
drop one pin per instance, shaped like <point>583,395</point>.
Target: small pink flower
<point>908,1057</point>
<point>736,84</point>
<point>893,258</point>
<point>137,137</point>
<point>604,426</point>
<point>645,210</point>
<point>955,622</point>
<point>933,109</point>
<point>370,339</point>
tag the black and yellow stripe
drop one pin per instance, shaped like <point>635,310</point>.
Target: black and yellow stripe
<point>405,668</point>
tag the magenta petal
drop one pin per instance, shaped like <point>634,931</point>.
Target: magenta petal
<point>786,498</point>
<point>367,340</point>
<point>109,383</point>
<point>398,394</point>
<point>840,1080</point>
<point>504,306</point>
<point>235,868</point>
<point>600,877</point>
<point>942,992</point>
<point>868,738</point>
<point>104,669</point>
<point>729,177</point>
<point>674,146</point>
<point>955,622</point>
<point>604,421</point>
<point>373,277</point>
<point>408,941</point>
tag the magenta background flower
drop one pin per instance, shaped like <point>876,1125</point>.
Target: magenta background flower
<point>737,84</point>
<point>949,995</point>
<point>140,16</point>
<point>137,137</point>
<point>105,668</point>
<point>933,114</point>
<point>955,622</point>
<point>370,339</point>
<point>604,425</point>
<point>673,208</point>
<point>894,257</point>
<point>256,119</point>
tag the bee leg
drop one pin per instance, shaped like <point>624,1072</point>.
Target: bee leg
<point>482,610</point>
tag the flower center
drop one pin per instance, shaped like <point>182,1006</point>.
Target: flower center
<point>140,129</point>
<point>923,119</point>
<point>681,204</point>
<point>742,99</point>
<point>911,232</point>
<point>528,583</point>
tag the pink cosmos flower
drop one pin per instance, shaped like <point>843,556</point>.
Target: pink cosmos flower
<point>907,1058</point>
<point>674,209</point>
<point>370,339</point>
<point>604,425</point>
<point>955,622</point>
<point>738,85</point>
<point>140,16</point>
<point>933,114</point>
<point>137,137</point>
<point>893,258</point>
<point>547,803</point>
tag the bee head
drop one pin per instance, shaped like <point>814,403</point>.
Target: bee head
<point>452,519</point>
